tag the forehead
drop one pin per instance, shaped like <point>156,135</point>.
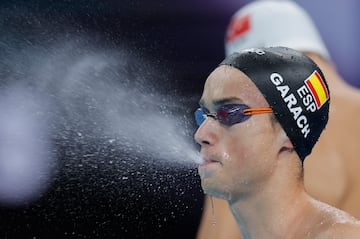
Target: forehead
<point>227,82</point>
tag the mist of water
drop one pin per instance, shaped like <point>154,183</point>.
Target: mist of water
<point>100,91</point>
<point>107,95</point>
<point>135,115</point>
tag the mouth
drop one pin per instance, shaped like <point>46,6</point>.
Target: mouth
<point>209,167</point>
<point>207,161</point>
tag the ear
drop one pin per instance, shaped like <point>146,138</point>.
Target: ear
<point>285,143</point>
<point>287,147</point>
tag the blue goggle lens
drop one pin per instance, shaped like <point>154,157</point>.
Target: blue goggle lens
<point>200,116</point>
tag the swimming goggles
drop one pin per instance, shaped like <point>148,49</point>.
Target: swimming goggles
<point>230,114</point>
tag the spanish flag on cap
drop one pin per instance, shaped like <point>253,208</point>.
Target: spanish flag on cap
<point>317,88</point>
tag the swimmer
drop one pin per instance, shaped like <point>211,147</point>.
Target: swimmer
<point>261,113</point>
<point>331,171</point>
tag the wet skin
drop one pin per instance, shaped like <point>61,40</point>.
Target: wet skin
<point>231,167</point>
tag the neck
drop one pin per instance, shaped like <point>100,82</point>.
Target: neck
<point>272,211</point>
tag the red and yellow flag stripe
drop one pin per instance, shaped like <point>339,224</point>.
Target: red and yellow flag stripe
<point>317,88</point>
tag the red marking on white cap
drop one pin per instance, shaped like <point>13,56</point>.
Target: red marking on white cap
<point>238,27</point>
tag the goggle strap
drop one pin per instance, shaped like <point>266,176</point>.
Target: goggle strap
<point>255,111</point>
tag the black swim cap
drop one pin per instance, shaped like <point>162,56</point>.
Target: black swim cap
<point>294,87</point>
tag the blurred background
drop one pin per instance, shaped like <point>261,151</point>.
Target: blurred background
<point>96,107</point>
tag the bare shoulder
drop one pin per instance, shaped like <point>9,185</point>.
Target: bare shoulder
<point>337,224</point>
<point>342,230</point>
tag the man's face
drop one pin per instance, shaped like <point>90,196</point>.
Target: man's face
<point>238,158</point>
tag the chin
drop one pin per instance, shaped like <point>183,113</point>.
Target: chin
<point>212,189</point>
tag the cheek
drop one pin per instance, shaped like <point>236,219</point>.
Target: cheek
<point>237,153</point>
<point>250,147</point>
<point>240,142</point>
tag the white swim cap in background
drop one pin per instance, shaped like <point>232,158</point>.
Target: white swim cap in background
<point>267,23</point>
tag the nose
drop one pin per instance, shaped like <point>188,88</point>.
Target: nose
<point>206,133</point>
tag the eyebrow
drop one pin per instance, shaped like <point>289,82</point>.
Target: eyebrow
<point>222,101</point>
